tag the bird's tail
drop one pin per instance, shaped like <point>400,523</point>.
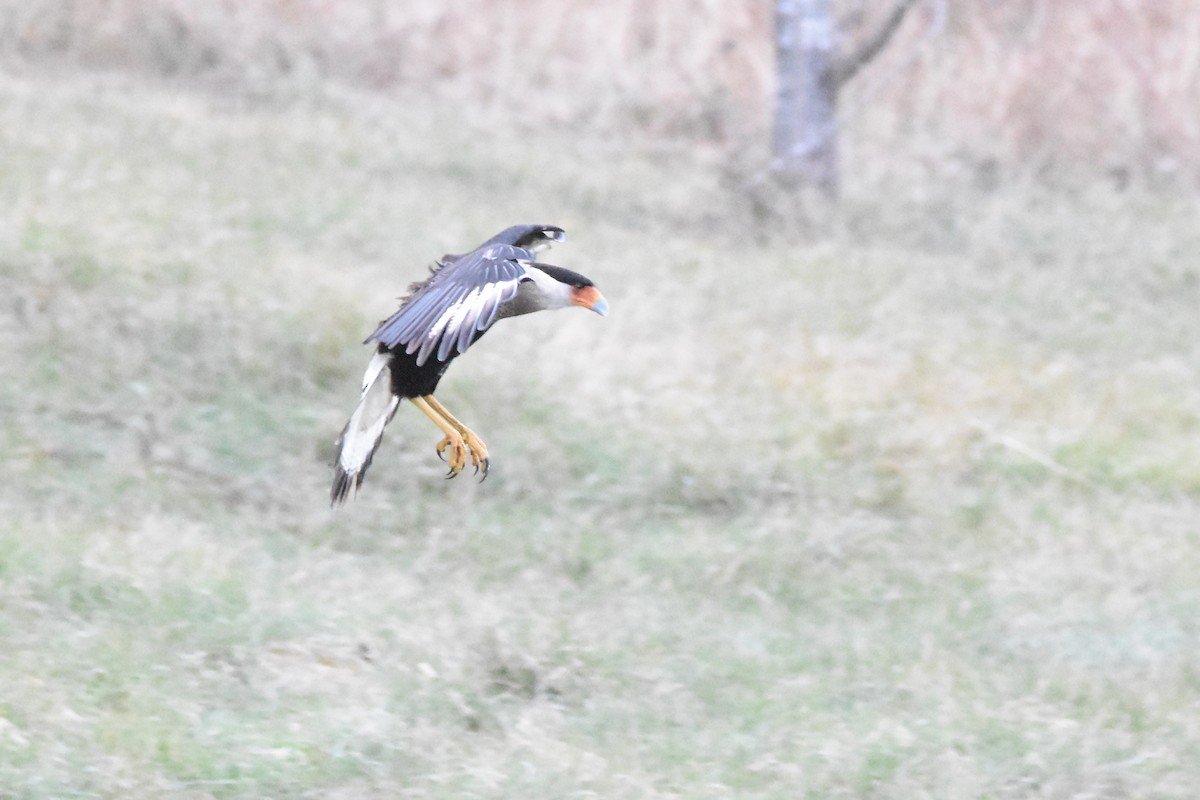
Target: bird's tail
<point>362,434</point>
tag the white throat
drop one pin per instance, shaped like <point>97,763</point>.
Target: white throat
<point>550,293</point>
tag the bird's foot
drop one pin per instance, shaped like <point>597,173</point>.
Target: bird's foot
<point>479,454</point>
<point>457,458</point>
<point>461,448</point>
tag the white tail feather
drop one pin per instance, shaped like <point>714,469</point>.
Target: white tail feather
<point>363,433</point>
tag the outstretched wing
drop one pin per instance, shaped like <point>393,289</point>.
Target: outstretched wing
<point>456,304</point>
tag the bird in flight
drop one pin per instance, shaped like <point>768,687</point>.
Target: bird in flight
<point>437,321</point>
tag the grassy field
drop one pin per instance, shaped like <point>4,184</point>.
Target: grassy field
<point>905,505</point>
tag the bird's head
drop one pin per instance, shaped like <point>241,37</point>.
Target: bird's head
<point>563,287</point>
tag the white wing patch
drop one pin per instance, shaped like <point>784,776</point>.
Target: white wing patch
<point>469,322</point>
<point>462,319</point>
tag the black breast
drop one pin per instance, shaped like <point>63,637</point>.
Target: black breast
<point>410,380</point>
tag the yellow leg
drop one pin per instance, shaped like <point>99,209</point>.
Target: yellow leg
<point>479,451</point>
<point>459,439</point>
<point>453,440</point>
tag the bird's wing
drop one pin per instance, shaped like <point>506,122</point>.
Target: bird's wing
<point>460,300</point>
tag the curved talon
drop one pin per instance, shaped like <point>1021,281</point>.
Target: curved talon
<point>460,440</point>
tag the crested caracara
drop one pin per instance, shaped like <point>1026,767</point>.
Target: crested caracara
<point>438,320</point>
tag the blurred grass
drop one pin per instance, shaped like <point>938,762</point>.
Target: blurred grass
<point>904,505</point>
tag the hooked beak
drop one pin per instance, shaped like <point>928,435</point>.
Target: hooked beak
<point>590,297</point>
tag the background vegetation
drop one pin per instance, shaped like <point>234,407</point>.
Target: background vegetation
<point>973,85</point>
<point>896,502</point>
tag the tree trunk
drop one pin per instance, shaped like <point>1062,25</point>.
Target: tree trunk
<point>805,134</point>
<point>810,74</point>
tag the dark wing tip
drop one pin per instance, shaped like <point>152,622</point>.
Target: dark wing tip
<point>544,233</point>
<point>553,232</point>
<point>342,481</point>
<point>528,236</point>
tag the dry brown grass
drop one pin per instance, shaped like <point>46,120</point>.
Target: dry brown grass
<point>996,88</point>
